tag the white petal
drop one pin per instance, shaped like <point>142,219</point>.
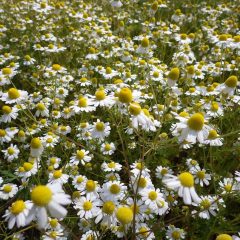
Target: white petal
<point>186,196</point>
<point>56,210</point>
<point>194,195</point>
<point>42,217</point>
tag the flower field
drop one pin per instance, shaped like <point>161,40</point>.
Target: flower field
<point>119,119</point>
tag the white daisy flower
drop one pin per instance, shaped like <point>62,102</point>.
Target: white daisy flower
<point>49,197</point>
<point>88,206</point>
<point>17,213</point>
<point>184,184</point>
<point>8,191</point>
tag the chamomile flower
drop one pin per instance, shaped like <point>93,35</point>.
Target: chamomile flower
<point>14,95</point>
<point>201,177</point>
<point>113,191</point>
<point>80,156</point>
<point>208,206</point>
<point>152,197</point>
<point>227,185</point>
<point>88,207</point>
<point>17,213</point>
<point>49,197</point>
<point>108,148</point>
<point>100,130</point>
<point>191,129</point>
<point>8,191</point>
<point>184,185</point>
<point>9,114</point>
<point>174,233</point>
<point>11,153</point>
<point>111,167</point>
<point>57,176</point>
<point>36,147</point>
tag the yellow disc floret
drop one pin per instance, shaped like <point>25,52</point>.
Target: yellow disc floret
<point>196,122</point>
<point>87,206</point>
<point>100,95</point>
<point>135,109</point>
<point>186,179</point>
<point>125,95</point>
<point>224,237</point>
<point>13,93</point>
<point>41,195</point>
<point>174,74</point>
<point>17,207</point>
<point>124,215</point>
<point>36,143</point>
<point>108,207</point>
<point>114,189</point>
<point>232,81</point>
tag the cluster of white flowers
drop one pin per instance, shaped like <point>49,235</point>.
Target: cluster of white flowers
<point>105,105</point>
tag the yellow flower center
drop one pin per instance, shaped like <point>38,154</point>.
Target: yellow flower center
<point>192,90</point>
<point>6,71</point>
<point>201,174</point>
<point>36,143</point>
<point>125,95</point>
<point>13,93</point>
<point>212,134</point>
<point>143,231</point>
<point>108,207</point>
<point>145,42</point>
<point>90,185</point>
<point>2,133</point>
<point>183,36</point>
<point>176,235</point>
<point>174,74</point>
<point>100,95</point>
<point>124,215</point>
<point>53,223</point>
<point>232,81</point>
<point>57,174</point>
<point>56,67</point>
<point>27,166</point>
<point>41,195</point>
<point>190,70</point>
<point>196,122</point>
<point>134,109</point>
<point>21,133</point>
<point>224,237</point>
<point>10,151</point>
<point>152,195</point>
<point>114,189</point>
<point>100,126</point>
<point>228,187</point>
<point>111,165</point>
<point>80,154</point>
<point>164,171</point>
<point>140,165</point>
<point>205,204</point>
<point>108,70</point>
<point>40,107</point>
<point>142,183</point>
<point>222,37</point>
<point>17,207</point>
<point>87,206</point>
<point>186,179</point>
<point>82,102</point>
<point>80,179</point>
<point>6,109</point>
<point>214,107</point>
<point>156,74</point>
<point>7,188</point>
<point>107,147</point>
